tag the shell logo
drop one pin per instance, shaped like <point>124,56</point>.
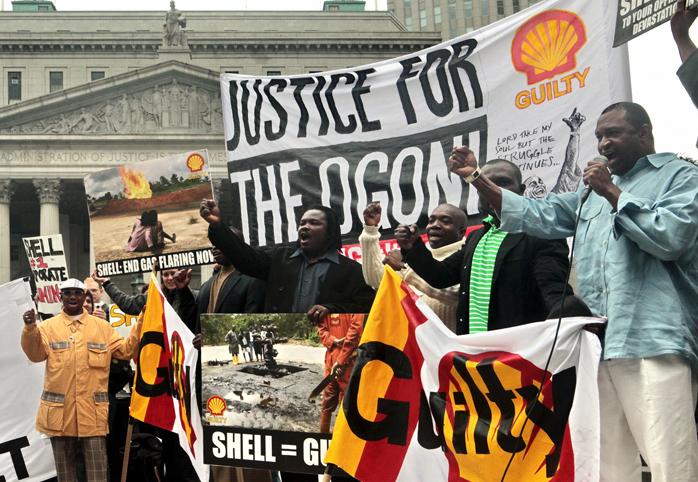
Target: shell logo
<point>216,405</point>
<point>195,162</point>
<point>546,45</point>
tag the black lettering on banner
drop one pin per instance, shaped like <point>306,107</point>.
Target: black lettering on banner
<point>407,73</point>
<point>554,422</point>
<point>14,447</point>
<point>341,127</point>
<point>462,51</point>
<point>636,17</point>
<point>36,247</point>
<point>270,134</point>
<point>484,414</point>
<point>393,425</point>
<point>163,386</point>
<point>251,138</point>
<point>408,175</point>
<point>441,58</point>
<point>425,433</point>
<point>454,57</point>
<point>232,143</point>
<point>324,122</point>
<point>299,84</point>
<point>504,401</point>
<point>359,90</point>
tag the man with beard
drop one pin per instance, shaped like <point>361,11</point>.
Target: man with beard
<point>310,278</point>
<point>445,232</point>
<point>77,348</point>
<point>505,279</point>
<point>637,266</point>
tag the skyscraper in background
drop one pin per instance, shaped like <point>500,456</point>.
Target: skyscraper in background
<point>452,17</point>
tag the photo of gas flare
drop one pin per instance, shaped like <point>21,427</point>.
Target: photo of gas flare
<point>136,186</point>
<point>148,208</point>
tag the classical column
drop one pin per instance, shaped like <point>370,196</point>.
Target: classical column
<point>6,189</point>
<point>49,192</point>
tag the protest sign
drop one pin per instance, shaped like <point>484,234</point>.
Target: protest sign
<point>527,88</point>
<point>425,404</point>
<point>49,268</point>
<point>24,453</point>
<point>121,321</point>
<point>149,211</point>
<point>636,17</point>
<point>263,393</point>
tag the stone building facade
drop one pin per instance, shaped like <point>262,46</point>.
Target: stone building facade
<point>83,91</point>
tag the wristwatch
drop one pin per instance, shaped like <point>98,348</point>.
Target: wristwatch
<point>473,176</point>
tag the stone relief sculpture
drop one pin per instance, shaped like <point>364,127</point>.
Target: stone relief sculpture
<point>163,108</point>
<point>174,25</point>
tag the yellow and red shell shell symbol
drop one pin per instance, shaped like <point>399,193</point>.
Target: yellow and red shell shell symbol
<point>216,405</point>
<point>195,162</point>
<point>547,44</point>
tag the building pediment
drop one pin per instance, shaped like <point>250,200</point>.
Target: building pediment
<point>167,98</point>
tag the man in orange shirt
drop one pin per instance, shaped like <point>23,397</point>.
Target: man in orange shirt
<point>78,349</point>
<point>340,334</point>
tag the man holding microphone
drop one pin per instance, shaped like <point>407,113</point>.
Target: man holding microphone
<point>637,266</point>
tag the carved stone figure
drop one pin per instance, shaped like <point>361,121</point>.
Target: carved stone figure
<point>204,99</point>
<point>157,107</point>
<point>125,114</point>
<point>110,119</point>
<point>174,23</point>
<point>136,112</point>
<point>174,104</point>
<point>84,123</point>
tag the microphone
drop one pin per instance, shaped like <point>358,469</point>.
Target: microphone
<point>587,190</point>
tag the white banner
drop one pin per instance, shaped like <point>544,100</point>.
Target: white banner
<point>497,374</point>
<point>24,454</point>
<point>527,88</point>
<point>49,267</point>
<point>424,404</point>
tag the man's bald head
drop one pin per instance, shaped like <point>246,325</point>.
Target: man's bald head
<point>446,225</point>
<point>95,289</point>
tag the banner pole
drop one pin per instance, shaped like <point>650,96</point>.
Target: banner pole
<point>327,476</point>
<point>127,450</point>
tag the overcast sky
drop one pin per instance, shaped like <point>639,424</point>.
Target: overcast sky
<point>653,61</point>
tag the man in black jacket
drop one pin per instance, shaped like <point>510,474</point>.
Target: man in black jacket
<point>229,291</point>
<point>517,278</point>
<point>312,277</point>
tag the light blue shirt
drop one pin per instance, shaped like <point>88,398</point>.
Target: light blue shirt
<point>638,266</point>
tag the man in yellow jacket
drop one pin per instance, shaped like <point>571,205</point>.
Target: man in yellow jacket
<point>77,348</point>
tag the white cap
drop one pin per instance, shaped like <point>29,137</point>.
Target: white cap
<point>71,283</point>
